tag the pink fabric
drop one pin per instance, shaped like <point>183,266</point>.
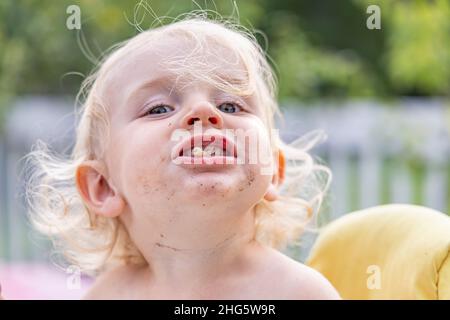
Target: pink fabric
<point>24,281</point>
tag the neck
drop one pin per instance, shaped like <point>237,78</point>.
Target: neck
<point>189,254</point>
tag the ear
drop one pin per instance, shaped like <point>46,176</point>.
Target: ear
<point>278,177</point>
<point>98,194</point>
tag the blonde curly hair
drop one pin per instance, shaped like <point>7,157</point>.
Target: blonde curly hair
<point>93,242</point>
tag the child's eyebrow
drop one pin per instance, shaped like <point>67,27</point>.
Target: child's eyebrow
<point>157,83</point>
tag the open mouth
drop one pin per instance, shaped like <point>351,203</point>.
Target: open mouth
<point>207,146</point>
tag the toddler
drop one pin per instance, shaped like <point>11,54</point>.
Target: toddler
<point>178,186</point>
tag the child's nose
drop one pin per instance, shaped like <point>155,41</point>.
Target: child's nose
<point>204,112</point>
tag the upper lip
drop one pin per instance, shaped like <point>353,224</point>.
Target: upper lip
<point>203,140</point>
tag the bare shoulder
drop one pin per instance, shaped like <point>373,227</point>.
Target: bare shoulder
<point>111,284</point>
<point>312,285</point>
<point>299,281</point>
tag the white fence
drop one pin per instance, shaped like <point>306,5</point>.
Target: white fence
<point>382,154</point>
<point>377,153</point>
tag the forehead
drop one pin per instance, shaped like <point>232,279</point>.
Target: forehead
<point>179,60</point>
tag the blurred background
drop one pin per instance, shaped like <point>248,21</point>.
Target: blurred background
<point>381,95</point>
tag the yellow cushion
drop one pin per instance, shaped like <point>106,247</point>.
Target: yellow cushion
<point>394,251</point>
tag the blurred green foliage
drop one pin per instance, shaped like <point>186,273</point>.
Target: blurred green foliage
<point>322,49</point>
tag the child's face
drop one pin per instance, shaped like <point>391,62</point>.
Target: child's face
<point>156,192</point>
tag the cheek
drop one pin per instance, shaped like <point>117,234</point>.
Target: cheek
<point>139,158</point>
<point>260,175</point>
<point>251,189</point>
<point>258,149</point>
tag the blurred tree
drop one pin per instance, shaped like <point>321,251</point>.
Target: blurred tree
<point>418,55</point>
<point>321,49</point>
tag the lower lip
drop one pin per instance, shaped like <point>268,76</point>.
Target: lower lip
<point>193,161</point>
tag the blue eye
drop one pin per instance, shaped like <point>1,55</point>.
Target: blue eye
<point>230,107</point>
<point>158,109</point>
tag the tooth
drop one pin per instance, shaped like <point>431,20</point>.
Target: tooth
<point>212,151</point>
<point>208,150</point>
<point>218,151</point>
<point>197,152</point>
